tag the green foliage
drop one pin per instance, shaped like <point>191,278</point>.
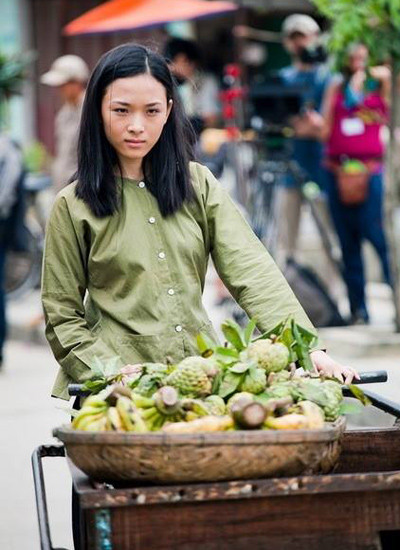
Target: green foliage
<point>376,23</point>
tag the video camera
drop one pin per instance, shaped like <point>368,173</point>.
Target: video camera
<point>273,104</point>
<point>314,54</point>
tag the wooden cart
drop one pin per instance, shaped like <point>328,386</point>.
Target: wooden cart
<point>355,508</point>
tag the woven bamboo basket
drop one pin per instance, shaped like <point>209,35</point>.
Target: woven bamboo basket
<point>169,458</point>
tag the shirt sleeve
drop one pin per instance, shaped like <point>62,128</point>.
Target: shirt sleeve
<point>64,283</point>
<point>244,264</point>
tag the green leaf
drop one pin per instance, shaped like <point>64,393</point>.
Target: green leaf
<point>276,330</point>
<point>232,333</point>
<point>351,408</point>
<point>205,344</point>
<point>240,368</point>
<point>95,386</point>
<point>359,394</point>
<point>248,331</point>
<point>217,382</point>
<point>227,352</point>
<point>112,366</point>
<point>308,337</point>
<point>97,368</point>
<point>229,384</point>
<point>301,349</point>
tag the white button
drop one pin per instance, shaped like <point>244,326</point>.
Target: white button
<point>161,255</point>
<point>171,291</point>
<point>152,220</point>
<point>141,184</point>
<point>178,328</point>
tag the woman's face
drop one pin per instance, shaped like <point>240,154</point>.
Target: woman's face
<point>134,111</point>
<point>358,59</point>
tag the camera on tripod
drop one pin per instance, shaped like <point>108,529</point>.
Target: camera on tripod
<point>272,106</point>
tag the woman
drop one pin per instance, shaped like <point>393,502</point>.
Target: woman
<point>354,112</point>
<point>136,230</point>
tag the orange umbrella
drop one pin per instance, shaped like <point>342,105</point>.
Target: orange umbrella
<point>120,15</point>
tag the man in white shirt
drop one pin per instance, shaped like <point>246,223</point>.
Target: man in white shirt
<point>69,75</point>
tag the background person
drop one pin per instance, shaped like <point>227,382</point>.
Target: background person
<point>355,112</point>
<point>68,74</point>
<point>307,70</point>
<point>199,90</point>
<point>11,216</point>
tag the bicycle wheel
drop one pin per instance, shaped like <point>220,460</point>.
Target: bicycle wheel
<point>23,269</point>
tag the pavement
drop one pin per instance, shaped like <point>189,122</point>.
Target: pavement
<point>28,414</point>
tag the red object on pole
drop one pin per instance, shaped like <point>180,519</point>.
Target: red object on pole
<point>120,15</point>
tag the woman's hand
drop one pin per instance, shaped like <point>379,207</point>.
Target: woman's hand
<point>380,72</point>
<point>357,80</point>
<point>132,370</point>
<point>326,365</point>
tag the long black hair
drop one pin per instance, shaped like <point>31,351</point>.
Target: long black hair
<point>165,167</point>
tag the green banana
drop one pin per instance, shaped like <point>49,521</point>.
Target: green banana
<point>142,402</point>
<point>87,422</point>
<point>125,409</point>
<point>115,419</point>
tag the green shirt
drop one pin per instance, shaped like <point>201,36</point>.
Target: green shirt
<point>131,284</point>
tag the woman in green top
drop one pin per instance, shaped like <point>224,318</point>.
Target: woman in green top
<point>128,243</point>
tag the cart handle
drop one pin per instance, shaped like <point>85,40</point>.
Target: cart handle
<point>40,491</point>
<point>371,377</point>
<point>365,378</point>
<point>379,402</point>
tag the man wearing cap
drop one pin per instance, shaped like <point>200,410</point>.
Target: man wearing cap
<point>69,75</point>
<point>308,72</point>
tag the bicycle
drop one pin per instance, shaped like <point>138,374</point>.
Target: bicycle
<point>23,268</point>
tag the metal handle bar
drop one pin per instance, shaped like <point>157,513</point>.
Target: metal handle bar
<point>372,377</point>
<point>365,378</point>
<point>40,491</point>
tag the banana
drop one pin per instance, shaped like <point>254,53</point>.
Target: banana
<point>313,413</point>
<point>204,424</point>
<point>141,401</point>
<point>125,408</point>
<point>190,415</point>
<point>140,425</point>
<point>158,422</point>
<point>94,401</point>
<point>196,406</point>
<point>292,421</point>
<point>81,421</point>
<point>149,414</point>
<point>87,422</point>
<point>115,419</point>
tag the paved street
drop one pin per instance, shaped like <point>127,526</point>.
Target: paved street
<point>27,417</point>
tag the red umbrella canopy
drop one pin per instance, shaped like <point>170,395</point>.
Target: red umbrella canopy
<point>120,15</point>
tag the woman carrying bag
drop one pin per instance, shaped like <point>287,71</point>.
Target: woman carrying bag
<point>355,110</point>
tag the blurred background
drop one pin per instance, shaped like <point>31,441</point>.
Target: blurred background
<point>296,112</point>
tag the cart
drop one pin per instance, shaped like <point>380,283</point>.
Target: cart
<point>355,508</point>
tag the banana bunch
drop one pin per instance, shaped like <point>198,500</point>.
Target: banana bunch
<point>164,406</point>
<point>111,409</point>
<point>92,417</point>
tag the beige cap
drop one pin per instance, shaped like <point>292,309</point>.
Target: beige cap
<point>64,69</point>
<point>298,22</point>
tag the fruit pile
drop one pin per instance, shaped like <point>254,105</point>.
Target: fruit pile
<point>246,384</point>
